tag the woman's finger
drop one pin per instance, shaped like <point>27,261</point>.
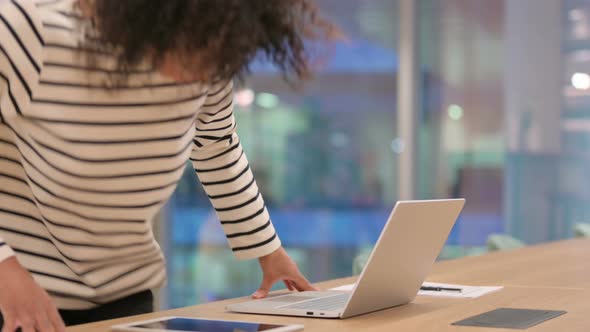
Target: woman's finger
<point>43,323</point>
<point>301,284</point>
<point>56,320</point>
<point>289,285</point>
<point>264,289</point>
<point>9,323</point>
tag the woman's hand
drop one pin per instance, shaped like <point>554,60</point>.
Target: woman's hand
<point>279,266</point>
<point>25,304</point>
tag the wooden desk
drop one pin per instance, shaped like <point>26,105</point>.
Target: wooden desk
<point>539,277</point>
<point>424,314</point>
<point>564,264</point>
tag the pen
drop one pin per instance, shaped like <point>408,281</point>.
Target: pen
<point>440,289</point>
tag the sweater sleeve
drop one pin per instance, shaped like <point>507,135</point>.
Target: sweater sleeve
<point>222,167</point>
<point>21,49</point>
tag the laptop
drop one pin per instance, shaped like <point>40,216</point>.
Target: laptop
<point>400,261</point>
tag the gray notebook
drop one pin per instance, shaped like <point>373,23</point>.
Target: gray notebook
<point>510,318</point>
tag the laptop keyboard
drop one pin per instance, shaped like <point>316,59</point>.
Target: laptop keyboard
<point>324,303</point>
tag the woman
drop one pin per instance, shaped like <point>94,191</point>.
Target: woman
<point>101,105</point>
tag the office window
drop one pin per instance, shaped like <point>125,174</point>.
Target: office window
<point>503,121</point>
<point>461,123</point>
<point>506,122</point>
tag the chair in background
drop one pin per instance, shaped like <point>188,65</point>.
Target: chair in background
<point>360,260</point>
<point>448,252</point>
<point>497,242</point>
<point>451,251</point>
<point>582,230</point>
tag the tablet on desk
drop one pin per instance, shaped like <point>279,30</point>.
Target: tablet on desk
<point>183,324</point>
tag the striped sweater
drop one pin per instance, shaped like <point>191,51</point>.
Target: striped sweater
<point>84,167</point>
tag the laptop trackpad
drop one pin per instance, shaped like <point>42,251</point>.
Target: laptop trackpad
<point>290,298</point>
<point>300,297</point>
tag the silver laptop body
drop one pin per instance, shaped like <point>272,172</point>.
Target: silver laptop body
<point>398,265</point>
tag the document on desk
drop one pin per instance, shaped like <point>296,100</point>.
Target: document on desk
<point>444,290</point>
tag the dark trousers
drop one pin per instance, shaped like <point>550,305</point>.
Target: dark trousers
<point>135,304</point>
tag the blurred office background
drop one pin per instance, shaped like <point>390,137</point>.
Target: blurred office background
<point>501,116</point>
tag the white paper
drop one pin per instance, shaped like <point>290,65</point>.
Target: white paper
<point>466,291</point>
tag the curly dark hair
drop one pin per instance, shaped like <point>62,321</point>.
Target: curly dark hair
<point>227,35</point>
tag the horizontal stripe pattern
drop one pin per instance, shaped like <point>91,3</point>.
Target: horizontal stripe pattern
<point>84,167</point>
<point>224,172</point>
